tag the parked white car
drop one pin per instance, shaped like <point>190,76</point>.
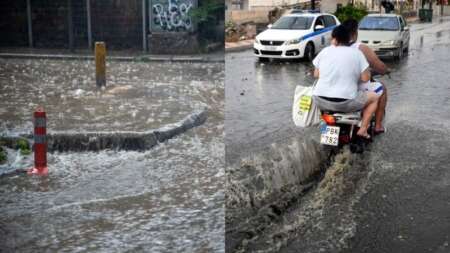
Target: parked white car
<point>295,35</point>
<point>387,34</point>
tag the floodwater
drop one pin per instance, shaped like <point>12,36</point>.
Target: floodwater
<point>138,96</point>
<point>392,198</point>
<point>166,199</point>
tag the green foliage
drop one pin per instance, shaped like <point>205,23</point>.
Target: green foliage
<point>25,152</point>
<point>351,11</point>
<point>3,155</point>
<point>207,16</point>
<point>23,146</point>
<point>208,11</point>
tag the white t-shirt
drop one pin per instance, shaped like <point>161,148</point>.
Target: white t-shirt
<point>340,69</point>
<point>366,85</point>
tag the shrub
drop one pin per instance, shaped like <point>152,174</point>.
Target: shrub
<point>23,146</point>
<point>3,155</point>
<point>351,11</point>
<point>208,14</point>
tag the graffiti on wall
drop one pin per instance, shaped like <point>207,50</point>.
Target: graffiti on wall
<point>171,15</point>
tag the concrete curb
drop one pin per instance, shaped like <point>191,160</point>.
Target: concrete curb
<point>143,58</point>
<point>96,141</point>
<point>239,46</point>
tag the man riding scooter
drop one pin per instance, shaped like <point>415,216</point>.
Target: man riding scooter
<point>339,69</point>
<point>377,66</point>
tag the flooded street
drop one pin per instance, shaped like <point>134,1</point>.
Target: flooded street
<point>165,199</point>
<point>392,198</point>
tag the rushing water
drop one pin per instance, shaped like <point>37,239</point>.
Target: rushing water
<point>166,199</point>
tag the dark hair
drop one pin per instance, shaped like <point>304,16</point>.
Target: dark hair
<point>351,25</point>
<point>341,34</point>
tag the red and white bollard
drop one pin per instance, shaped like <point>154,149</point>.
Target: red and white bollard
<point>40,143</point>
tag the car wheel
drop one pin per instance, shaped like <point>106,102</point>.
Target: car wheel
<point>399,55</point>
<point>263,59</point>
<point>309,51</point>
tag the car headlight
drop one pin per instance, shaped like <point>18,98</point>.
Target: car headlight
<point>257,41</point>
<point>389,42</point>
<point>294,41</point>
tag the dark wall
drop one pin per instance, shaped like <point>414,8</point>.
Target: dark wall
<point>117,22</point>
<point>50,23</point>
<point>13,23</point>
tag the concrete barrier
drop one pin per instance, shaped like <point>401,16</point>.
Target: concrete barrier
<point>96,141</point>
<point>262,186</point>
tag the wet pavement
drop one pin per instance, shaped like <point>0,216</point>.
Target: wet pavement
<point>166,199</point>
<point>394,197</point>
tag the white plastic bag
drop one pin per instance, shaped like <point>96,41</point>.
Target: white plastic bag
<point>304,111</point>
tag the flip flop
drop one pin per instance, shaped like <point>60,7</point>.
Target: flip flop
<point>365,137</point>
<point>377,132</point>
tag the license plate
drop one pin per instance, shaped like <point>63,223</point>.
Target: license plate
<point>269,48</point>
<point>330,135</point>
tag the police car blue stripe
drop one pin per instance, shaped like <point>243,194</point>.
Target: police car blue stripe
<point>309,35</point>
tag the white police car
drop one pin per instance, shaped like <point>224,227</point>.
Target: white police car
<point>295,35</point>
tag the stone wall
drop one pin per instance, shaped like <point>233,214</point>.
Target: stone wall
<point>173,43</point>
<point>255,16</point>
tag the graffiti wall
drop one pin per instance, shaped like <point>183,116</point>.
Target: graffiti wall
<point>171,15</point>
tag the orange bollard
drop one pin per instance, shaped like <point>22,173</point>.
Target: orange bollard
<point>40,143</point>
<point>100,64</point>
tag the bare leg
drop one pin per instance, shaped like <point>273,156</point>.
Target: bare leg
<point>379,114</point>
<point>369,110</point>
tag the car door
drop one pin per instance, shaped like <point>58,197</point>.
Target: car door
<point>319,38</point>
<point>330,22</point>
<point>405,32</point>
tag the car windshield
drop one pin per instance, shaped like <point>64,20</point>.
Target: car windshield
<point>293,23</point>
<point>379,23</point>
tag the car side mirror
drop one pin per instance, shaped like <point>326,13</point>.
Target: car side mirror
<point>269,26</point>
<point>319,27</point>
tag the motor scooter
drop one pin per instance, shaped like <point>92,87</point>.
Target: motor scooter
<point>340,128</point>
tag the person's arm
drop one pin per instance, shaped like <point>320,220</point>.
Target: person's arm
<point>365,75</point>
<point>363,67</point>
<point>316,63</point>
<point>375,63</point>
<point>316,73</point>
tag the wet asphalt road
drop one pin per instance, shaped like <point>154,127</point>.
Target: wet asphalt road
<point>393,198</point>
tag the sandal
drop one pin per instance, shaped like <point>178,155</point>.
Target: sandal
<point>366,137</point>
<point>377,132</point>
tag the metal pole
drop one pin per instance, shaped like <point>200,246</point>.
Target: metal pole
<point>88,10</point>
<point>144,26</point>
<point>70,17</point>
<point>30,24</point>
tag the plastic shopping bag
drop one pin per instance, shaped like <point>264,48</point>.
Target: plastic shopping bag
<point>304,111</point>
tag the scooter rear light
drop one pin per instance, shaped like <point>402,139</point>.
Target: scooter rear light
<point>344,139</point>
<point>329,119</point>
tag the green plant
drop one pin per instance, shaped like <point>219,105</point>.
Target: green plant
<point>351,11</point>
<point>23,146</point>
<point>3,156</point>
<point>206,16</point>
